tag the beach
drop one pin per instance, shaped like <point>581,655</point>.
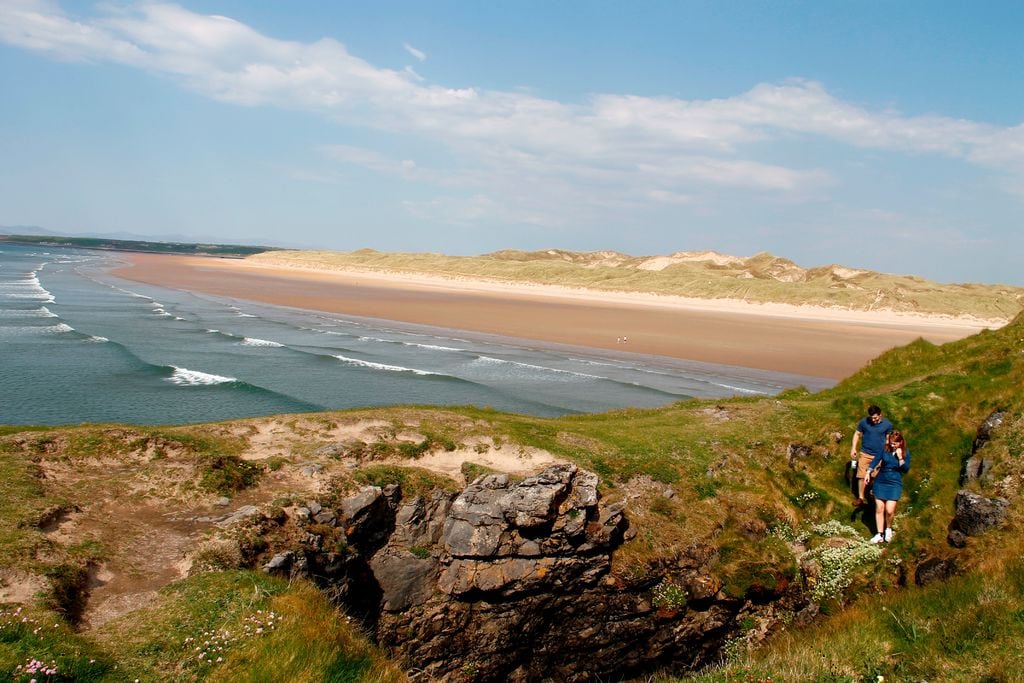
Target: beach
<point>795,339</point>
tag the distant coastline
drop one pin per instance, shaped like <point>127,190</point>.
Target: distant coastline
<point>235,251</point>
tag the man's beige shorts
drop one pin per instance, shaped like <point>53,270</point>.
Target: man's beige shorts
<point>863,463</point>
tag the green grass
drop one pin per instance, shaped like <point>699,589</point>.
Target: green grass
<point>969,628</point>
<point>228,474</point>
<point>28,634</point>
<point>693,472</point>
<point>414,481</point>
<point>243,626</point>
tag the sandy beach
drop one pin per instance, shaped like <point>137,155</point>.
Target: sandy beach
<point>798,339</point>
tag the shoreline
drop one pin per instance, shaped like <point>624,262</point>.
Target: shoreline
<point>802,340</point>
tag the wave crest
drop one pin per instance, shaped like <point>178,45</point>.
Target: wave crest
<point>381,366</point>
<point>252,341</point>
<point>194,378</point>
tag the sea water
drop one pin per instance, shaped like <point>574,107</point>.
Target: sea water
<point>80,345</point>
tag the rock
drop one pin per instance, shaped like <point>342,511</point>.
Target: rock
<point>303,514</point>
<point>534,501</point>
<point>512,581</point>
<point>325,517</point>
<point>702,588</point>
<point>934,569</point>
<point>280,563</point>
<point>405,580</point>
<point>223,502</point>
<point>956,538</point>
<point>807,615</point>
<point>368,518</point>
<point>797,451</point>
<point>314,507</point>
<point>240,515</point>
<point>976,514</point>
<point>354,448</point>
<point>991,423</point>
<point>978,466</point>
<point>311,469</point>
<point>358,505</point>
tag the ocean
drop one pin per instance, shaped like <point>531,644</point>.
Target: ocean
<point>78,344</point>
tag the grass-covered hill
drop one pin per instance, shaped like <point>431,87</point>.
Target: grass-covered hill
<point>762,278</point>
<point>110,572</point>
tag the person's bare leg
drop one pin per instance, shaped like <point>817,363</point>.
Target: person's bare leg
<point>890,512</point>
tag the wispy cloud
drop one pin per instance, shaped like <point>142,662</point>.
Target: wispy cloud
<point>612,148</point>
<point>420,55</point>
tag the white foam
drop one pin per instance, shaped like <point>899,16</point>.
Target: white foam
<point>25,289</point>
<point>96,338</point>
<point>381,366</point>
<point>251,341</point>
<point>488,360</point>
<point>8,331</point>
<point>433,347</point>
<point>193,378</point>
<point>41,312</point>
<point>244,315</point>
<point>740,389</point>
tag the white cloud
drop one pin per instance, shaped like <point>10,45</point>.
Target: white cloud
<point>420,55</point>
<point>613,149</point>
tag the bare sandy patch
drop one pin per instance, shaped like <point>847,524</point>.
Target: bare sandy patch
<point>514,460</point>
<point>19,587</point>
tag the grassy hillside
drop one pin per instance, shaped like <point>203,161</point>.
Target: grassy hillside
<point>761,278</point>
<point>762,479</point>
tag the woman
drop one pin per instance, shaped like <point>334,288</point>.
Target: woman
<point>886,471</point>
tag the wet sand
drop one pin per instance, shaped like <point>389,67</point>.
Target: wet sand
<point>806,341</point>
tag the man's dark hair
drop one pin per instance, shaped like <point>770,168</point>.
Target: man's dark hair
<point>874,410</point>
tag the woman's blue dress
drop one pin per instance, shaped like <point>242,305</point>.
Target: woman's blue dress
<point>888,483</point>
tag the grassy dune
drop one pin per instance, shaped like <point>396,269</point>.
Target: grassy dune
<point>696,471</point>
<point>762,278</point>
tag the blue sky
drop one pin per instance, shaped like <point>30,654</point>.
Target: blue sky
<point>878,135</point>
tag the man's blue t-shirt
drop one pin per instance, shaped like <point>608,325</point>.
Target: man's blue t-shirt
<point>872,436</point>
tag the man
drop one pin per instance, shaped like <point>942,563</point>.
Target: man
<point>870,435</point>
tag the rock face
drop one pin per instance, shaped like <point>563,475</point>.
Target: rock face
<point>976,514</point>
<point>978,466</point>
<point>506,581</point>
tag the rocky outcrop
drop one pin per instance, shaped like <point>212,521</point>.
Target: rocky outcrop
<point>507,581</point>
<point>933,569</point>
<point>978,466</point>
<point>975,515</point>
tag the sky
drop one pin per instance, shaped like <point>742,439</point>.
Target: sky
<point>880,135</point>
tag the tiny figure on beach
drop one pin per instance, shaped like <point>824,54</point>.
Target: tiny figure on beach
<point>870,436</point>
<point>886,478</point>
